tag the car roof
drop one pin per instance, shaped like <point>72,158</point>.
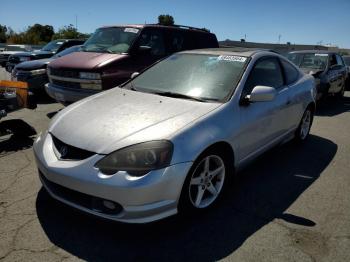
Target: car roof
<point>313,51</point>
<point>181,27</point>
<point>238,51</point>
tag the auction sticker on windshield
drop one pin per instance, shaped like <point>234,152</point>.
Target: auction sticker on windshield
<point>321,54</point>
<point>232,58</point>
<point>131,30</point>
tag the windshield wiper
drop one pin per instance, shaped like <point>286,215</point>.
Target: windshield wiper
<point>177,95</point>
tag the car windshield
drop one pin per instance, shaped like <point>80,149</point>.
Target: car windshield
<point>52,46</point>
<point>14,48</point>
<point>68,51</point>
<point>346,60</point>
<point>309,60</point>
<point>203,76</point>
<point>111,40</point>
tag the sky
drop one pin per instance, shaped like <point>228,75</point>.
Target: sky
<point>298,21</point>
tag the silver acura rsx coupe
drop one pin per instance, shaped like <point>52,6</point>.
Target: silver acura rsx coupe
<point>170,138</point>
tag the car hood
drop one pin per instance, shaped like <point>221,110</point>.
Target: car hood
<point>35,64</point>
<point>119,117</point>
<point>35,53</point>
<point>86,60</point>
<point>10,52</point>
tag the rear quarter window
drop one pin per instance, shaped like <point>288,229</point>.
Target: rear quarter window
<point>290,72</point>
<point>205,40</point>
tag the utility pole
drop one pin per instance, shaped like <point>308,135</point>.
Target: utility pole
<point>76,22</point>
<point>279,38</point>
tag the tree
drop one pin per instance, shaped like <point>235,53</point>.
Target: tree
<point>69,32</point>
<point>38,34</point>
<point>3,31</point>
<point>166,20</point>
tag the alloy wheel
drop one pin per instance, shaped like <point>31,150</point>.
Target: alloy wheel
<point>207,181</point>
<point>305,124</point>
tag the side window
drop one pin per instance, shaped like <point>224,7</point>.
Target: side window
<point>205,40</point>
<point>339,60</point>
<point>153,39</point>
<point>266,72</point>
<point>175,41</point>
<point>290,72</point>
<point>332,60</point>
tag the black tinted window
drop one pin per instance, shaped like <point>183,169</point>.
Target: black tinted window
<point>266,72</point>
<point>205,40</point>
<point>153,39</point>
<point>175,41</point>
<point>290,72</point>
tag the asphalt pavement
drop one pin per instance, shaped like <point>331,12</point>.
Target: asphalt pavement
<point>292,204</point>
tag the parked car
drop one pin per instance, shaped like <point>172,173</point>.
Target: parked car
<point>326,66</point>
<point>169,139</point>
<point>34,72</point>
<point>346,59</point>
<point>113,53</point>
<point>10,50</point>
<point>47,51</point>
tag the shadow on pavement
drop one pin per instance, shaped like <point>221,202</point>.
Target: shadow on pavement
<point>43,98</point>
<point>15,135</point>
<point>333,106</point>
<point>262,193</point>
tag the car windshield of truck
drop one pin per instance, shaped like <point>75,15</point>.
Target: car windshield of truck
<point>52,46</point>
<point>111,40</point>
<point>198,76</point>
<point>309,60</point>
<point>347,60</point>
<point>67,51</point>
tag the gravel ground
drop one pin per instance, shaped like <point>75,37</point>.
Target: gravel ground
<point>292,204</point>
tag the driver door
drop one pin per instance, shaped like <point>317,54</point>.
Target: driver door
<point>262,122</point>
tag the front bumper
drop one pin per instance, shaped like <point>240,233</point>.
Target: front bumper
<point>67,95</point>
<point>142,199</point>
<point>35,82</point>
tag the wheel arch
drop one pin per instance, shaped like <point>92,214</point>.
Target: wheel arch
<point>225,149</point>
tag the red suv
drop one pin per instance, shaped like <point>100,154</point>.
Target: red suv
<point>112,54</point>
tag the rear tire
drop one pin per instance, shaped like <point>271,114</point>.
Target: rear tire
<point>303,131</point>
<point>340,94</point>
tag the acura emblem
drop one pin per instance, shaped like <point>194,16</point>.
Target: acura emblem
<point>63,151</point>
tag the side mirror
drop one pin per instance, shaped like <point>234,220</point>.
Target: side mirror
<point>144,49</point>
<point>135,74</point>
<point>262,94</point>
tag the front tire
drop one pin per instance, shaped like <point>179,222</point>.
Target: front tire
<point>303,130</point>
<point>204,183</point>
<point>341,93</point>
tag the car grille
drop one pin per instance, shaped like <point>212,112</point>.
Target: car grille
<point>68,152</point>
<point>65,83</point>
<point>64,73</point>
<point>80,199</point>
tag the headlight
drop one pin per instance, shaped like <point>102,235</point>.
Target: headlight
<point>88,75</point>
<point>137,159</point>
<point>24,58</point>
<point>38,72</point>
